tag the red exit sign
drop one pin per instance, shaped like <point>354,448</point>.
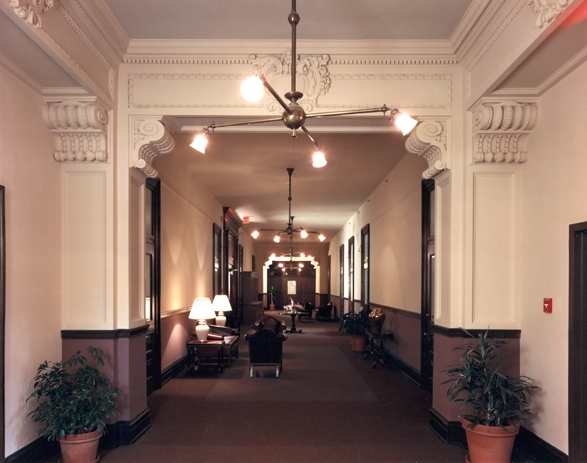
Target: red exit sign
<point>547,305</point>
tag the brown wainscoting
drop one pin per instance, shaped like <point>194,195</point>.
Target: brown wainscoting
<point>406,327</point>
<point>104,334</point>
<point>336,313</point>
<point>173,370</point>
<point>38,450</point>
<point>459,333</point>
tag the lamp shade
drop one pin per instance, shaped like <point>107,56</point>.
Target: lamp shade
<point>405,123</point>
<point>221,303</point>
<point>200,143</point>
<point>202,309</point>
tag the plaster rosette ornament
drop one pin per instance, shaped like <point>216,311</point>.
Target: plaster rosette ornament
<point>501,130</point>
<point>428,140</point>
<point>79,130</point>
<point>31,11</point>
<point>312,75</point>
<point>150,139</point>
<point>547,10</point>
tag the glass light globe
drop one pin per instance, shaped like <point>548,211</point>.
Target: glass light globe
<point>405,123</point>
<point>252,89</point>
<point>318,159</point>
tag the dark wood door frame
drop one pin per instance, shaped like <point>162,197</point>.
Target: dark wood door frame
<point>578,343</point>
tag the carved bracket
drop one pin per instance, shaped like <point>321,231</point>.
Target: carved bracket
<point>500,131</point>
<point>79,129</point>
<point>31,12</point>
<point>313,77</point>
<point>547,10</point>
<point>428,140</point>
<point>150,138</point>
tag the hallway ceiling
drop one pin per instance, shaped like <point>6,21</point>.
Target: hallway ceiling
<point>246,169</point>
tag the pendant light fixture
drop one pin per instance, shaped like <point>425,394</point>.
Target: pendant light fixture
<point>294,116</point>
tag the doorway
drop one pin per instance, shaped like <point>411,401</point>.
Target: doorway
<point>427,316</point>
<point>578,342</point>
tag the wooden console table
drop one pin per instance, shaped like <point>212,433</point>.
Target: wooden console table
<point>205,354</point>
<point>377,350</point>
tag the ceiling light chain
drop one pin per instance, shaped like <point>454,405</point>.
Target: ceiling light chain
<point>294,116</point>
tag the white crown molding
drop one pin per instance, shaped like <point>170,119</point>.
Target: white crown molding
<point>18,72</point>
<point>548,10</point>
<point>79,129</point>
<point>501,129</point>
<point>31,11</point>
<point>428,140</point>
<point>150,139</point>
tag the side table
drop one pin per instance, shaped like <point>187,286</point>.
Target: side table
<point>205,354</point>
<point>377,350</point>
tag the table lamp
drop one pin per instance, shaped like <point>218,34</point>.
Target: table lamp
<point>202,311</point>
<point>221,304</point>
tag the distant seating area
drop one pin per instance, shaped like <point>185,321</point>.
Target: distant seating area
<point>305,311</point>
<point>324,313</point>
<point>265,349</point>
<point>269,322</point>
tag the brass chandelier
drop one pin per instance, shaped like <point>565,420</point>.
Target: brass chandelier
<point>294,116</point>
<point>289,230</point>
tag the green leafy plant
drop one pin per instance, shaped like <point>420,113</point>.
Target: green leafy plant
<point>497,399</point>
<point>272,293</point>
<point>72,396</point>
<point>356,323</point>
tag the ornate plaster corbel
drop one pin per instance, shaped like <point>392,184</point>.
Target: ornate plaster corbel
<point>547,10</point>
<point>150,138</point>
<point>428,140</point>
<point>79,129</point>
<point>500,131</point>
<point>31,11</point>
<point>313,76</point>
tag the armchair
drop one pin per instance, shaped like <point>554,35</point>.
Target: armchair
<point>265,349</point>
<point>306,311</point>
<point>324,313</point>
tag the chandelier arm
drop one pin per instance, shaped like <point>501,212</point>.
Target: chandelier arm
<point>383,109</point>
<point>235,124</point>
<point>275,95</point>
<point>307,132</point>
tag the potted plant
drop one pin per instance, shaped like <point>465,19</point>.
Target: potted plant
<point>498,402</point>
<point>74,401</point>
<point>356,324</point>
<point>272,293</point>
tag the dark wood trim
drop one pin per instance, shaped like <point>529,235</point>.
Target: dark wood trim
<point>351,273</point>
<point>365,253</point>
<point>231,220</point>
<point>104,334</point>
<point>38,450</point>
<point>126,432</point>
<point>529,447</point>
<point>403,312</point>
<point>406,368</point>
<point>174,369</point>
<point>449,432</point>
<point>2,320</point>
<point>577,330</point>
<point>459,333</point>
<point>426,287</point>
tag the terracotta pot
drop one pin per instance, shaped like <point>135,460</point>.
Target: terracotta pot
<point>80,448</point>
<point>490,444</point>
<point>358,343</point>
<point>271,306</point>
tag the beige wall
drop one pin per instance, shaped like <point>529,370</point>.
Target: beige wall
<point>393,212</point>
<point>33,248</point>
<point>552,196</point>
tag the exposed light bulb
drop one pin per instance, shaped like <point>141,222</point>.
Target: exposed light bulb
<point>321,237</point>
<point>303,233</point>
<point>255,234</point>
<point>301,265</point>
<point>200,142</point>
<point>302,255</point>
<point>280,265</point>
<point>276,238</point>
<point>405,123</point>
<point>318,159</point>
<point>252,89</point>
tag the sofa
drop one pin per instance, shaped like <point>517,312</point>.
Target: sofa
<point>231,340</point>
<point>306,311</point>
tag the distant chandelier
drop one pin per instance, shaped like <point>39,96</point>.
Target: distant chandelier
<point>294,116</point>
<point>289,230</point>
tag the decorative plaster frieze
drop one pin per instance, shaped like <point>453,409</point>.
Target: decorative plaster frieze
<point>393,61</point>
<point>313,77</point>
<point>31,12</point>
<point>79,130</point>
<point>547,10</point>
<point>429,141</point>
<point>150,138</point>
<point>500,131</point>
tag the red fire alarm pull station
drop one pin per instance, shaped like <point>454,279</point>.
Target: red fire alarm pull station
<point>547,305</point>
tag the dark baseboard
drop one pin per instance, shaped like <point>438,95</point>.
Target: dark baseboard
<point>407,369</point>
<point>173,370</point>
<point>39,450</point>
<point>126,432</point>
<point>450,432</point>
<point>528,447</point>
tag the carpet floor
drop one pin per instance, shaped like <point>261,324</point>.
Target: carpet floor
<point>328,406</point>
